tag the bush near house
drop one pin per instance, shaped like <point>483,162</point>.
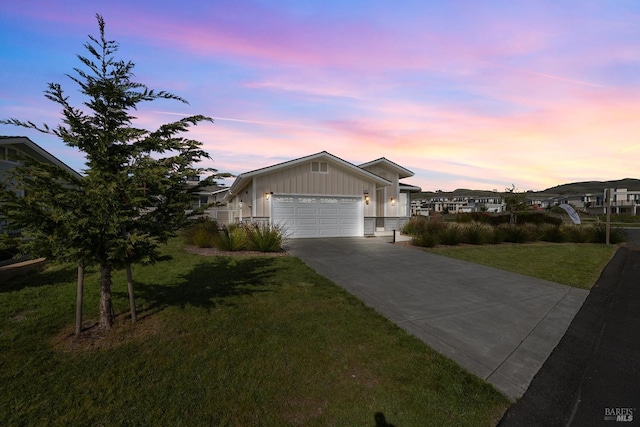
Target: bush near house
<point>201,232</point>
<point>416,225</point>
<point>263,237</point>
<point>231,238</point>
<point>616,235</point>
<point>478,234</point>
<point>536,227</point>
<point>523,218</point>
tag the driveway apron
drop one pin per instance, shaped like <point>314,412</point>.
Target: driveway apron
<point>500,326</point>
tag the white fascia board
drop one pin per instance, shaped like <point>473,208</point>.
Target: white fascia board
<point>402,172</point>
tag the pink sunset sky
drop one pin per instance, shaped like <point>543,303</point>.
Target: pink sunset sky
<point>466,94</point>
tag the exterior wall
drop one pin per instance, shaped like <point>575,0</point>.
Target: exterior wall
<point>369,226</point>
<point>392,192</point>
<point>386,205</point>
<point>223,216</point>
<point>242,205</point>
<point>300,180</point>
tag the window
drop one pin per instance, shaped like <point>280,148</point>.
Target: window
<point>9,154</point>
<point>403,205</point>
<point>320,167</point>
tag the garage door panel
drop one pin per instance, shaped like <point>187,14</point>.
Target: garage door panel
<point>284,211</point>
<point>302,216</point>
<point>329,221</point>
<point>306,210</point>
<point>328,211</point>
<point>306,222</point>
<point>348,212</point>
<point>348,221</point>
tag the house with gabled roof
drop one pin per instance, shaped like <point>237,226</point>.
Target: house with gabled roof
<point>321,195</point>
<point>12,148</point>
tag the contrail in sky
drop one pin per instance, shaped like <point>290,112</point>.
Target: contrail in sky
<point>257,122</point>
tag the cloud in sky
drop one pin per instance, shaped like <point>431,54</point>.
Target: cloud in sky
<point>465,94</point>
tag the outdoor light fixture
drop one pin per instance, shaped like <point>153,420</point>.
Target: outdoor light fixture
<point>366,198</point>
<point>393,201</point>
<point>267,195</point>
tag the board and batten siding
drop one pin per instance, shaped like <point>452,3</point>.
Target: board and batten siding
<point>391,192</point>
<point>300,180</point>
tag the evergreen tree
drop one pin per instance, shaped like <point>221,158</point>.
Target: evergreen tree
<point>134,193</point>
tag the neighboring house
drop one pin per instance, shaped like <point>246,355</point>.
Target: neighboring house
<point>579,201</point>
<point>205,196</point>
<point>321,195</point>
<point>623,201</point>
<point>12,148</point>
<point>457,204</point>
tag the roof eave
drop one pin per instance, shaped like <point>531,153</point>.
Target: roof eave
<point>242,180</point>
<point>402,171</point>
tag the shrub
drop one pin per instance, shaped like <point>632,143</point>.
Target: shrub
<point>231,238</point>
<point>496,220</point>
<point>425,240</point>
<point>202,238</point>
<point>553,233</point>
<point>537,218</point>
<point>477,234</point>
<point>428,232</point>
<point>616,234</point>
<point>472,217</point>
<point>451,235</point>
<point>578,234</point>
<point>436,225</point>
<point>515,233</point>
<point>415,225</point>
<point>265,237</point>
<point>498,236</point>
<point>201,232</point>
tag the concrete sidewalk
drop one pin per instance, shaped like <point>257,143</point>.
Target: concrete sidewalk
<point>499,325</point>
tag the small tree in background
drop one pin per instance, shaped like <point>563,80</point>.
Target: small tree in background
<point>514,202</point>
<point>134,194</point>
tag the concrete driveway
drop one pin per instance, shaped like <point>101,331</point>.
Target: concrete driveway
<point>500,326</point>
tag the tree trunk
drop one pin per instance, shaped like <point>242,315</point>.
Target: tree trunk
<point>132,300</point>
<point>106,307</point>
<point>79,291</point>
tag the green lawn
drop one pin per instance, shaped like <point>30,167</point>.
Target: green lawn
<point>571,264</point>
<point>223,341</point>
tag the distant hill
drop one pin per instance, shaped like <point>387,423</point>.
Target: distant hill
<point>592,187</point>
<point>456,193</point>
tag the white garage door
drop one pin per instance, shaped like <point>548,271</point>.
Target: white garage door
<point>304,216</point>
